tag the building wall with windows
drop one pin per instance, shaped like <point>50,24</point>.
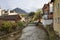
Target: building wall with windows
<point>11,12</point>
<point>56,16</point>
<point>47,17</point>
<point>45,9</point>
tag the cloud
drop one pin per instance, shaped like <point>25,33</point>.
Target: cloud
<point>28,5</point>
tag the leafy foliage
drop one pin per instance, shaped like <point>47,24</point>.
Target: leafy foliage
<point>20,24</point>
<point>31,13</point>
<point>51,32</point>
<point>6,26</point>
<point>37,15</point>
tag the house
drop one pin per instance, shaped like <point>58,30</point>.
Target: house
<point>56,16</point>
<point>45,9</point>
<point>12,18</point>
<point>48,10</point>
<point>50,16</point>
<point>9,15</point>
<point>7,12</point>
<point>11,12</point>
<point>0,11</point>
<point>47,17</point>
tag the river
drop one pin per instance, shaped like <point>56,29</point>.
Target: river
<point>31,32</point>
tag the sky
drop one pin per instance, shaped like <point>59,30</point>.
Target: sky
<point>27,5</point>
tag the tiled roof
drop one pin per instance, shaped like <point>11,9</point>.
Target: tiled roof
<point>10,17</point>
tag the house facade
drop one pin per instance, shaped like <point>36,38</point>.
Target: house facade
<point>47,18</point>
<point>9,15</point>
<point>45,11</point>
<point>48,10</point>
<point>56,16</point>
<point>7,12</point>
<point>11,18</point>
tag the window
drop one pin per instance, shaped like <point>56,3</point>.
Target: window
<point>11,11</point>
<point>58,20</point>
<point>58,6</point>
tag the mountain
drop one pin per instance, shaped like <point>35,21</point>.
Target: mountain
<point>19,10</point>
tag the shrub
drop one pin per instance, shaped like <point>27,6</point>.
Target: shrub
<point>6,26</point>
<point>14,25</point>
<point>20,24</point>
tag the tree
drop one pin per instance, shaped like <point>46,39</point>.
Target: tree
<point>31,16</point>
<point>37,15</point>
<point>31,13</point>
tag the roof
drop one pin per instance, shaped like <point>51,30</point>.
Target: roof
<point>52,0</point>
<point>45,5</point>
<point>10,17</point>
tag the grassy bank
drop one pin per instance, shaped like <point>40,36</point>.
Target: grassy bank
<point>51,35</point>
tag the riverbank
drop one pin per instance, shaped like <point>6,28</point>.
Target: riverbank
<point>11,36</point>
<point>50,31</point>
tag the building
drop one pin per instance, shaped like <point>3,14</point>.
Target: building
<point>47,18</point>
<point>48,10</point>
<point>0,11</point>
<point>11,18</point>
<point>56,16</point>
<point>50,16</point>
<point>9,15</point>
<point>7,12</point>
<point>11,12</point>
<point>45,11</point>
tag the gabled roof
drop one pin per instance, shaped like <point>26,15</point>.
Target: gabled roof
<point>45,6</point>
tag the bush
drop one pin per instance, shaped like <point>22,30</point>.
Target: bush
<point>6,26</point>
<point>14,26</point>
<point>20,24</point>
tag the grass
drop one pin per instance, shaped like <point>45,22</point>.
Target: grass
<point>51,32</point>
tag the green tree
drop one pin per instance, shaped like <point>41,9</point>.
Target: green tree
<point>31,14</point>
<point>37,15</point>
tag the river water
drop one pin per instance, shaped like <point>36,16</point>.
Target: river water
<point>31,32</point>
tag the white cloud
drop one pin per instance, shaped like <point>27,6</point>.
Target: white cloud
<point>28,5</point>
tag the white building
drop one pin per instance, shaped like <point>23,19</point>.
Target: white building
<point>7,12</point>
<point>51,7</point>
<point>12,12</point>
<point>46,22</point>
<point>0,11</point>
